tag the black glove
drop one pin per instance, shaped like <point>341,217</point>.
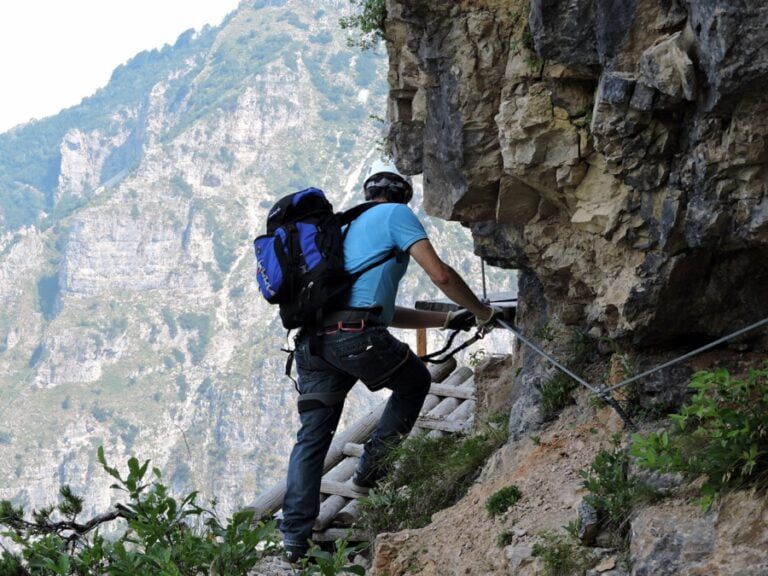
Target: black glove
<point>460,319</point>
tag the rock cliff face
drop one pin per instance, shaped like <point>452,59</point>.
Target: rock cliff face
<point>613,150</point>
<point>615,153</point>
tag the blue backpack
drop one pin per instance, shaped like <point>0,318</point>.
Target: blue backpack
<point>300,259</point>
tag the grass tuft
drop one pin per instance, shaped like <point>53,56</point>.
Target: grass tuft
<point>427,474</point>
<point>502,500</point>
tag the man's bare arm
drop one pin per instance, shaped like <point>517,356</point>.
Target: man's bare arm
<point>412,318</point>
<point>447,279</point>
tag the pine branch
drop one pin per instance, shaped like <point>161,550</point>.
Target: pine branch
<point>76,529</point>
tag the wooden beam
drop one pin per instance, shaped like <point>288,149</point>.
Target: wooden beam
<point>443,425</point>
<point>452,391</point>
<point>500,299</point>
<point>421,341</point>
<point>340,489</point>
<point>334,534</point>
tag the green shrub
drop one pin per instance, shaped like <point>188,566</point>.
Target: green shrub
<point>613,493</point>
<point>721,434</point>
<point>170,321</point>
<point>562,555</point>
<point>319,561</point>
<point>200,323</point>
<point>426,475</point>
<point>502,500</point>
<point>555,394</point>
<point>161,535</point>
<point>48,290</point>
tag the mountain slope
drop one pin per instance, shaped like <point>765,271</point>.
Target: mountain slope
<point>130,318</point>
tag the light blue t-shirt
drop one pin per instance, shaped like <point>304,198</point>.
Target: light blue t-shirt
<point>371,236</point>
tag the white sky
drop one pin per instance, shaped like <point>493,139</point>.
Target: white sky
<point>53,53</point>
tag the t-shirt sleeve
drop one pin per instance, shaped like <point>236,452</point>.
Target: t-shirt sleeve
<point>405,227</point>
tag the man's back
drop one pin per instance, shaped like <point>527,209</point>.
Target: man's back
<point>370,238</point>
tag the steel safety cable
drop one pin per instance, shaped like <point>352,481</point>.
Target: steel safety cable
<point>603,394</point>
<point>687,355</point>
<point>551,360</point>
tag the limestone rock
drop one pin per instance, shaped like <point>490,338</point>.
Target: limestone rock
<point>589,523</point>
<point>493,387</point>
<point>728,40</point>
<point>620,155</point>
<point>682,540</point>
<point>667,67</point>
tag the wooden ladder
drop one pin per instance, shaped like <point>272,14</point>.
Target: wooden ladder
<point>449,407</point>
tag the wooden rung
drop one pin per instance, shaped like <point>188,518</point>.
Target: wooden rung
<point>343,470</point>
<point>352,449</point>
<point>349,514</point>
<point>430,402</point>
<point>445,407</point>
<point>458,376</point>
<point>451,391</point>
<point>443,425</point>
<point>440,372</point>
<point>329,509</point>
<point>334,534</point>
<point>340,489</point>
<point>463,413</point>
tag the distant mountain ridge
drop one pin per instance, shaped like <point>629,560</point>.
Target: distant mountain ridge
<point>129,315</point>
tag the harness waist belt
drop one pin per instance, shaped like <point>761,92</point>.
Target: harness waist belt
<point>357,317</point>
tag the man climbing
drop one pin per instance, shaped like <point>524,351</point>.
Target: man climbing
<point>354,344</point>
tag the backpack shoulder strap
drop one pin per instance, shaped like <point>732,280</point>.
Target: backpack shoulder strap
<point>388,256</point>
<point>348,215</point>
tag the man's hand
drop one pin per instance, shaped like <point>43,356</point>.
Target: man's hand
<point>460,319</point>
<point>487,322</point>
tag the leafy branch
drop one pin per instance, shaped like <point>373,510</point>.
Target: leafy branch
<point>162,535</point>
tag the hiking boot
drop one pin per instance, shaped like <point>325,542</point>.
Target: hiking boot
<point>358,488</point>
<point>293,554</point>
<point>365,481</point>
